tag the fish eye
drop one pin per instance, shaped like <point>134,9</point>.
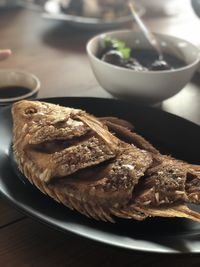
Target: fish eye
<point>30,111</point>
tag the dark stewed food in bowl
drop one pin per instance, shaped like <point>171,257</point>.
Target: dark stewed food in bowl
<point>117,53</point>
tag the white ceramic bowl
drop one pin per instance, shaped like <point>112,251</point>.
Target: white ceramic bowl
<point>146,86</point>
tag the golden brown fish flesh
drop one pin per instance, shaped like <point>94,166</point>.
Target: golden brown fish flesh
<point>100,167</point>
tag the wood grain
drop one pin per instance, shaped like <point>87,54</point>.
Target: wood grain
<point>8,215</point>
<point>51,50</point>
<point>34,244</point>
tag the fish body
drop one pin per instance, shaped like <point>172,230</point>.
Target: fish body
<point>100,167</point>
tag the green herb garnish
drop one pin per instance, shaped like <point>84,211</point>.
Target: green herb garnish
<point>119,46</point>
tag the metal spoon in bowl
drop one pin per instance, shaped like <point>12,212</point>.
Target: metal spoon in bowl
<point>160,63</point>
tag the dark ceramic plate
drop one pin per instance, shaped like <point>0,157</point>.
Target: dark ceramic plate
<point>53,11</point>
<point>169,133</point>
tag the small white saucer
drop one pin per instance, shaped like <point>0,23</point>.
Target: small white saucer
<point>11,78</point>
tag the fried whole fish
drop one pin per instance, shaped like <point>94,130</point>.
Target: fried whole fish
<point>100,167</point>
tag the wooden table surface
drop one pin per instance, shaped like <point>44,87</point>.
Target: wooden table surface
<point>56,54</point>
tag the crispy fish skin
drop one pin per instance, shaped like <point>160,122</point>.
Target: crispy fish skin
<point>76,159</point>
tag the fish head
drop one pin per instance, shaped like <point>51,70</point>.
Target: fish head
<point>41,112</point>
<point>38,121</point>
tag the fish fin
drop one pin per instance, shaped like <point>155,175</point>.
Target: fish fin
<point>181,211</point>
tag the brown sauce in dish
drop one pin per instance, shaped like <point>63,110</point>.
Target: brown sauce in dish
<point>13,91</point>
